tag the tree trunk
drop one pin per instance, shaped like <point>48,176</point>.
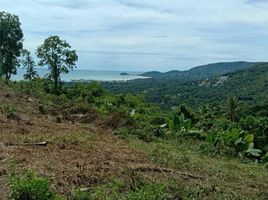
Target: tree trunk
<point>56,84</point>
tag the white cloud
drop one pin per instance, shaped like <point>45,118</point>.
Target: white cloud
<point>145,34</point>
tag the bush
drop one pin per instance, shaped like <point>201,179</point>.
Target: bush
<point>30,187</point>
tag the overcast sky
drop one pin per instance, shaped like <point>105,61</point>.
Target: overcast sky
<point>142,35</point>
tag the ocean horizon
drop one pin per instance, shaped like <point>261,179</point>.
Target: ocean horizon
<point>86,75</point>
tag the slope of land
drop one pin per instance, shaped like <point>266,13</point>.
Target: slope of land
<point>89,155</point>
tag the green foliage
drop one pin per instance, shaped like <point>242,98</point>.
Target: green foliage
<point>11,38</point>
<point>133,187</point>
<point>80,195</point>
<point>232,109</point>
<point>9,112</point>
<point>259,127</point>
<point>246,81</point>
<point>149,192</point>
<point>179,123</point>
<point>31,187</point>
<point>265,157</point>
<point>244,136</point>
<point>253,152</point>
<point>58,56</point>
<point>28,63</point>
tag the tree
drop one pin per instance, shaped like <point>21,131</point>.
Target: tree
<point>28,63</point>
<point>11,44</point>
<point>58,56</point>
<point>232,108</point>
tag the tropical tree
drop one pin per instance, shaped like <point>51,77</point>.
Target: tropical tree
<point>28,63</point>
<point>11,44</point>
<point>232,108</point>
<point>57,55</point>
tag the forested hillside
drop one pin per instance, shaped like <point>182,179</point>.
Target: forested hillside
<point>249,85</point>
<point>200,72</point>
<point>159,80</point>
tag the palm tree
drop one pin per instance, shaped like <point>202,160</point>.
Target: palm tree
<point>233,108</point>
<point>28,63</point>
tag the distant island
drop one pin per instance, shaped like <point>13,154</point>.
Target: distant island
<point>124,74</point>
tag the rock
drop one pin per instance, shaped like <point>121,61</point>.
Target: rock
<point>124,74</point>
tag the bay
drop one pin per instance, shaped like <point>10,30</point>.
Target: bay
<point>86,75</point>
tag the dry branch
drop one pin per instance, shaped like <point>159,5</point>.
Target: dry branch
<point>165,170</point>
<point>151,169</point>
<point>29,144</point>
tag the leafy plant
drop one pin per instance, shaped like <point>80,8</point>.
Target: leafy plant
<point>252,151</point>
<point>31,187</point>
<point>179,123</point>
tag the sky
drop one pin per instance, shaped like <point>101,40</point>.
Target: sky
<point>145,35</point>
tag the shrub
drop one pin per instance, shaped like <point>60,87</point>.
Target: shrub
<point>30,187</point>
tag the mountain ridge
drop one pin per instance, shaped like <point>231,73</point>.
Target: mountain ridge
<point>200,72</point>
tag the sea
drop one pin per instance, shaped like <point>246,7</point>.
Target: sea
<point>84,75</point>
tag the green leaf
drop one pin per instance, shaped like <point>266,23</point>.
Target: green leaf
<point>249,138</point>
<point>252,151</point>
<point>235,134</point>
<point>239,141</point>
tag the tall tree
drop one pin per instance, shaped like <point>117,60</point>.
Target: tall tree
<point>11,44</point>
<point>58,56</point>
<point>232,106</point>
<point>29,64</point>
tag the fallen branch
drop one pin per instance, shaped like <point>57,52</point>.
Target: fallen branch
<point>151,169</point>
<point>165,170</point>
<point>6,159</point>
<point>29,144</point>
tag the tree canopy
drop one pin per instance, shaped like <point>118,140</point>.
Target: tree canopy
<point>28,63</point>
<point>11,44</point>
<point>58,56</point>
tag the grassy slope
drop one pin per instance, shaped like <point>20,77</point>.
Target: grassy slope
<point>90,156</point>
<point>222,178</point>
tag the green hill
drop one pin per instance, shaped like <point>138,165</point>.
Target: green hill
<point>200,72</point>
<point>249,85</point>
<point>247,81</point>
<point>159,80</point>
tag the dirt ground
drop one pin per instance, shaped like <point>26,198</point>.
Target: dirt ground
<point>76,154</point>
